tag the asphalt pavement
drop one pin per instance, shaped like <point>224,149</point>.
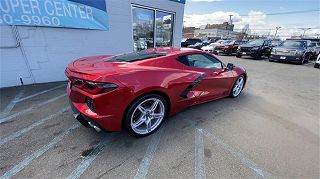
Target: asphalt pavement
<point>270,131</point>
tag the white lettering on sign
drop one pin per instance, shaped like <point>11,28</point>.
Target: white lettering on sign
<point>48,6</point>
<point>34,4</point>
<point>25,5</point>
<point>44,12</point>
<point>4,7</point>
<point>14,4</point>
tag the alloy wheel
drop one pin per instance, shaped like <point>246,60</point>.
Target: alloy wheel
<point>147,116</point>
<point>238,86</point>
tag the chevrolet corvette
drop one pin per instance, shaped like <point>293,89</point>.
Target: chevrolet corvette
<point>137,91</point>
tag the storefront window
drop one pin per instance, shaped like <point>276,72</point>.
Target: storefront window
<point>164,24</point>
<point>150,31</point>
<point>143,28</point>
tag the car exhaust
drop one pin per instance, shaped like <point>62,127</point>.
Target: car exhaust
<point>94,127</point>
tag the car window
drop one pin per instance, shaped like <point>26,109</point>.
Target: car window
<point>200,61</point>
<point>257,42</point>
<point>292,43</point>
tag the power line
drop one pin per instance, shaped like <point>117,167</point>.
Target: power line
<point>297,28</point>
<point>287,12</point>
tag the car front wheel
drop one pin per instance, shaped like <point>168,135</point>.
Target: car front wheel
<point>237,87</point>
<point>145,115</point>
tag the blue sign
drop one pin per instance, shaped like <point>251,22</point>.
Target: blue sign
<point>84,14</point>
<point>179,1</point>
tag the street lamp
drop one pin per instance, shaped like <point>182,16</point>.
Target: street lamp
<point>275,35</point>
<point>304,30</point>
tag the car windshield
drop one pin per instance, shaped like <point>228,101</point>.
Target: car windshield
<point>257,42</point>
<point>227,42</point>
<point>275,42</point>
<point>136,56</point>
<point>198,43</point>
<point>293,43</point>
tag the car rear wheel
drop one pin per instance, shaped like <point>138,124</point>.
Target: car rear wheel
<point>238,55</point>
<point>316,65</point>
<point>237,87</point>
<point>146,115</point>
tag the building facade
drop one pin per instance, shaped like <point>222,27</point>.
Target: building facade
<point>39,53</point>
<point>216,34</point>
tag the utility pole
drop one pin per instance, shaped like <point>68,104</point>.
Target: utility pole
<point>230,18</point>
<point>275,35</point>
<point>304,30</point>
<point>230,23</point>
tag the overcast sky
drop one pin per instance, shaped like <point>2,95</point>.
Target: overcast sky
<point>259,14</point>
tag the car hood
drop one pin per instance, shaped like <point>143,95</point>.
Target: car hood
<point>287,48</point>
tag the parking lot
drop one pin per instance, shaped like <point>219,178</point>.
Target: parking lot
<point>270,131</point>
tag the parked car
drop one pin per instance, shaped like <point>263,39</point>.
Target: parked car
<point>315,48</point>
<point>190,41</point>
<point>138,90</point>
<point>212,46</point>
<point>255,48</point>
<point>317,63</point>
<point>298,51</point>
<point>227,47</point>
<point>198,45</point>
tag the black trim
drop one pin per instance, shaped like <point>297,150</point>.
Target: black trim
<point>192,85</point>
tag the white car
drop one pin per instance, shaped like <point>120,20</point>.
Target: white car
<point>317,63</point>
<point>211,47</point>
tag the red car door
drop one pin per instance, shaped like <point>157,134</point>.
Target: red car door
<point>215,81</point>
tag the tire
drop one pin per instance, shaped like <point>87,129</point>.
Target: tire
<point>135,115</point>
<point>238,55</point>
<point>229,53</point>
<point>257,56</point>
<point>234,94</point>
<point>308,58</point>
<point>316,65</point>
<point>270,60</point>
<point>304,59</point>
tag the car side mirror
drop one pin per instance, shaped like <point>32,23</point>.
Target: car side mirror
<point>230,66</point>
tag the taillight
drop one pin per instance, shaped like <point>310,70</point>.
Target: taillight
<point>94,87</point>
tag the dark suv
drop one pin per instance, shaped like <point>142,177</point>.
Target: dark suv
<point>190,41</point>
<point>255,48</point>
<point>299,51</point>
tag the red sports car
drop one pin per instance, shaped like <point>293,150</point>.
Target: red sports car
<point>136,91</point>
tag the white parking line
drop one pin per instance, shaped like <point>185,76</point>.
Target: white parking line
<point>24,130</point>
<point>39,93</point>
<point>2,120</point>
<point>20,166</point>
<point>199,155</point>
<point>11,105</point>
<point>249,163</point>
<point>147,158</point>
<point>259,171</point>
<point>86,162</point>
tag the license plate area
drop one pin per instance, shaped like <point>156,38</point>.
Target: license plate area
<point>282,58</point>
<point>244,53</point>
